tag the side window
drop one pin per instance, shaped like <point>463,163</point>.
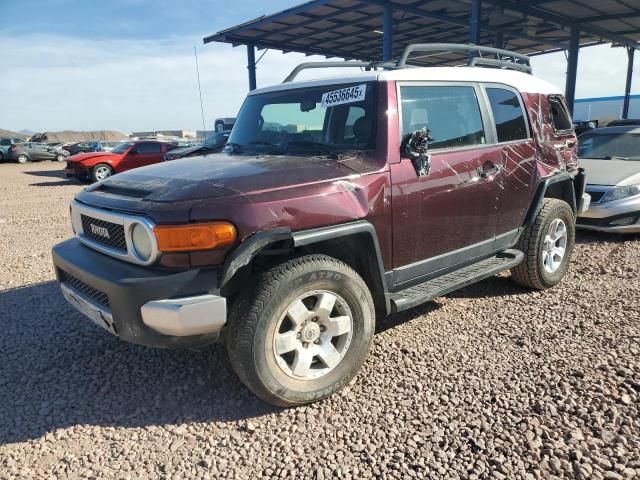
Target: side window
<point>508,115</point>
<point>559,114</point>
<point>149,148</point>
<point>451,113</point>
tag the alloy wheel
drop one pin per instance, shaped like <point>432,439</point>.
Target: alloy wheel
<point>554,245</point>
<point>313,335</point>
<point>102,173</point>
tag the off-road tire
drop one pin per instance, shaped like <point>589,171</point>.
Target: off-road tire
<point>94,171</point>
<point>256,312</point>
<point>531,272</point>
<point>22,159</point>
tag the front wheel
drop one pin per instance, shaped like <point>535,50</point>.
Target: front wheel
<point>60,158</point>
<point>22,158</point>
<point>100,172</point>
<point>547,244</point>
<point>302,331</point>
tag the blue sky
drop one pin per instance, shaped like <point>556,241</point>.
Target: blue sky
<point>128,64</point>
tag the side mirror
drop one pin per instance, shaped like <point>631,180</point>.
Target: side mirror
<point>415,145</point>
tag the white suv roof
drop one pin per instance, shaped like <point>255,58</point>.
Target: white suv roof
<point>522,82</point>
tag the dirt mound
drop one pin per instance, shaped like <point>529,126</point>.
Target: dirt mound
<point>72,136</point>
<point>10,134</point>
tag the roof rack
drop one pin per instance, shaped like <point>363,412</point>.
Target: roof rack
<point>347,64</point>
<point>504,58</point>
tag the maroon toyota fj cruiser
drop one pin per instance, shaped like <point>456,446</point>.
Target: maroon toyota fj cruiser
<point>335,202</point>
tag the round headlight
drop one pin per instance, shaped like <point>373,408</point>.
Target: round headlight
<point>141,242</point>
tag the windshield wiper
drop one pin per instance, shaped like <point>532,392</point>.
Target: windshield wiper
<point>263,142</point>
<point>310,143</point>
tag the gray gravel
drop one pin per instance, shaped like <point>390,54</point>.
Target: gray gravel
<point>490,382</point>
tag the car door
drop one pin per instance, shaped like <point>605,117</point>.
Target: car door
<point>448,216</point>
<point>45,151</point>
<point>142,154</point>
<point>518,153</point>
<point>35,154</point>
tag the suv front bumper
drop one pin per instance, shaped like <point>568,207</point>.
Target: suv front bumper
<point>143,305</point>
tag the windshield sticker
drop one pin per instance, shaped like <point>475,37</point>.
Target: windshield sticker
<point>344,95</point>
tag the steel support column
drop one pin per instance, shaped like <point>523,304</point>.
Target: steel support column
<point>627,89</point>
<point>572,68</point>
<point>476,11</point>
<point>251,66</point>
<point>387,32</point>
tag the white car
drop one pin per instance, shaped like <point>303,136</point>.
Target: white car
<point>611,158</point>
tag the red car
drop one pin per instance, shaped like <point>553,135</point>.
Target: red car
<point>97,166</point>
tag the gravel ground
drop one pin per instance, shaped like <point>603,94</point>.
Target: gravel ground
<point>490,382</point>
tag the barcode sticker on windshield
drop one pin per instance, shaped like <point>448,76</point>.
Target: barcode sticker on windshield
<point>344,95</point>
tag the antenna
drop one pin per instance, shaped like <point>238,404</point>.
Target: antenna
<point>204,128</point>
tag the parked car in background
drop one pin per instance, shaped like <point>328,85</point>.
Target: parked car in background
<point>84,147</point>
<point>215,143</point>
<point>5,144</point>
<point>224,124</point>
<point>34,152</point>
<point>582,126</point>
<point>96,166</point>
<point>624,122</point>
<point>336,202</point>
<point>611,158</point>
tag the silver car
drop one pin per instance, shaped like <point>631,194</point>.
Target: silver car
<point>611,158</point>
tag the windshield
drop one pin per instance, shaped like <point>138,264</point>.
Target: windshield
<point>610,145</point>
<point>307,121</point>
<point>123,147</point>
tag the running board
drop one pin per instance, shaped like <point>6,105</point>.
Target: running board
<point>436,287</point>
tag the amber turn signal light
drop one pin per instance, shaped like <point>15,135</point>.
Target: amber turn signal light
<point>192,237</point>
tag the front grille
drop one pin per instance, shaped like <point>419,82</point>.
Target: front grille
<point>105,233</point>
<point>596,196</point>
<point>96,295</point>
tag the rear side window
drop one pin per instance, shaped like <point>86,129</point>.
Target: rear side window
<point>149,148</point>
<point>508,115</point>
<point>560,117</point>
<point>451,113</point>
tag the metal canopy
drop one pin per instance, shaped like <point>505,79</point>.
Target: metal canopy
<point>375,30</point>
<point>353,29</point>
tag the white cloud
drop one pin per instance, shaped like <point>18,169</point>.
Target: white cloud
<point>57,82</point>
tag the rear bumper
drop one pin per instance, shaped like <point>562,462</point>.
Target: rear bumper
<point>153,307</point>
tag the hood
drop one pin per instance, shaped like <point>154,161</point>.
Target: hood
<point>611,172</point>
<point>218,175</point>
<point>79,157</point>
<point>185,151</point>
<point>171,191</point>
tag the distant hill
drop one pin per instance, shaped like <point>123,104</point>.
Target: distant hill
<point>73,136</point>
<point>10,134</point>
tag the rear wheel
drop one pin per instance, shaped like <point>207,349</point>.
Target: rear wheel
<point>302,331</point>
<point>100,172</point>
<point>1,157</point>
<point>60,157</point>
<point>22,158</point>
<point>547,245</point>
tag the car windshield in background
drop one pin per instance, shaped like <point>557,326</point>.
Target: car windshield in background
<point>609,146</point>
<point>307,121</point>
<point>122,147</point>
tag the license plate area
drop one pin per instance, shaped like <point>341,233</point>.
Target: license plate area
<point>96,314</point>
